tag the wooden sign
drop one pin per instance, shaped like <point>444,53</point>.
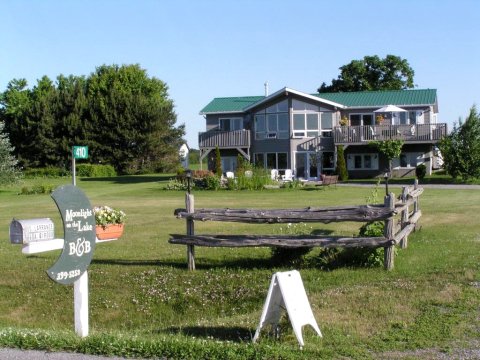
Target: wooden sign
<point>79,229</point>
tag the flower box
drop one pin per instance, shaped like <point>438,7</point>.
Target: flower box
<point>110,231</point>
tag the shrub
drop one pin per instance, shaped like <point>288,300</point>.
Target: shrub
<point>95,170</point>
<point>175,184</point>
<point>46,172</point>
<point>37,189</point>
<point>420,171</point>
<point>341,169</point>
<point>291,256</point>
<point>212,182</point>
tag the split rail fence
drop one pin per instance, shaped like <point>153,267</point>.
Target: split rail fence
<point>400,216</point>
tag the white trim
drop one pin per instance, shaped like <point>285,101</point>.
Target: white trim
<point>286,91</point>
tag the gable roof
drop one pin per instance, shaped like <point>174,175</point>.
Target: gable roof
<point>360,99</point>
<point>382,98</point>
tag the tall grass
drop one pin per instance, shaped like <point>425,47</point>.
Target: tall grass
<point>142,296</point>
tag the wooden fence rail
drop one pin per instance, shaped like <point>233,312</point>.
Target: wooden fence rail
<point>396,230</point>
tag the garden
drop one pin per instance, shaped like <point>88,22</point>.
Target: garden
<point>145,303</point>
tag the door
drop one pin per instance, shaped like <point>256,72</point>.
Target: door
<point>306,166</point>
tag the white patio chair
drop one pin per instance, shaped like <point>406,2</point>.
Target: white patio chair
<point>288,176</point>
<point>230,175</point>
<point>274,174</point>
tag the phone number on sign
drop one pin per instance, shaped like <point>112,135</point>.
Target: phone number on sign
<point>68,274</point>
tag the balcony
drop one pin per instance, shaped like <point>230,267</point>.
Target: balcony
<point>224,139</point>
<point>421,133</point>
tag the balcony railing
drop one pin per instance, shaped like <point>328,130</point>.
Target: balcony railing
<point>224,139</point>
<point>407,133</point>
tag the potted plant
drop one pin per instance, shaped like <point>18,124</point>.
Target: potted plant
<point>343,121</point>
<point>109,222</point>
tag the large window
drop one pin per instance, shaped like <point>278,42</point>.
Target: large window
<point>272,122</point>
<point>362,161</point>
<point>305,125</point>
<point>230,124</point>
<point>361,119</point>
<point>271,160</point>
<point>408,160</point>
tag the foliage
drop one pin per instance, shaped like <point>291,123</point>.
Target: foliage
<point>37,189</point>
<point>9,171</point>
<point>213,182</point>
<point>175,184</point>
<point>391,149</point>
<point>105,215</point>
<point>291,256</point>
<point>461,148</point>
<point>46,172</point>
<point>194,156</point>
<point>125,117</point>
<point>372,73</point>
<point>341,169</point>
<point>95,170</point>
<point>218,163</point>
<point>421,171</point>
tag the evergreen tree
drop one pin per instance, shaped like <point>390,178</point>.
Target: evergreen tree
<point>341,169</point>
<point>218,162</point>
<point>461,149</point>
<point>9,172</point>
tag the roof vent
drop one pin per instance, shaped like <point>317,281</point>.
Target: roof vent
<point>266,88</point>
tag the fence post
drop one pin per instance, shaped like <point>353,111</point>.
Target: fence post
<point>404,241</point>
<point>389,251</point>
<point>190,205</point>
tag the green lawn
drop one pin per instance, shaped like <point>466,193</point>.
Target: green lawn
<point>140,288</point>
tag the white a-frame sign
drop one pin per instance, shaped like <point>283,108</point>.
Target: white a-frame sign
<point>286,292</point>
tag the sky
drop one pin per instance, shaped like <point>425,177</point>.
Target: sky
<point>204,49</point>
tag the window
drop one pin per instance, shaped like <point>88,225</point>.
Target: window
<point>272,122</point>
<point>362,162</point>
<point>305,125</point>
<point>230,124</point>
<point>273,160</point>
<point>259,159</point>
<point>361,119</point>
<point>408,160</point>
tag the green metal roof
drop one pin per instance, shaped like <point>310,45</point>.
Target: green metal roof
<point>381,98</point>
<point>349,99</point>
<point>230,104</point>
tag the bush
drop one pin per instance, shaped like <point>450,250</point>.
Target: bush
<point>37,189</point>
<point>421,171</point>
<point>213,182</point>
<point>341,169</point>
<point>175,184</point>
<point>46,172</point>
<point>91,170</point>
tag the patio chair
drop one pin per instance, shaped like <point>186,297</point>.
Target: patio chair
<point>288,176</point>
<point>274,174</point>
<point>230,175</point>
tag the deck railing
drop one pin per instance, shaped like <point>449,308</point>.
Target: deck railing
<point>407,133</point>
<point>224,139</point>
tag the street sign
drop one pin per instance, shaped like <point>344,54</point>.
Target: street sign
<point>79,228</point>
<point>80,152</point>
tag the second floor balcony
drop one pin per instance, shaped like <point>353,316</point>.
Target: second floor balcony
<point>419,133</point>
<point>224,139</point>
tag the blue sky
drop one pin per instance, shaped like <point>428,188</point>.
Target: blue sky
<point>210,48</point>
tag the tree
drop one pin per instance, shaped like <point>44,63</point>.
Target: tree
<point>461,148</point>
<point>9,172</point>
<point>218,162</point>
<point>124,116</point>
<point>391,149</point>
<point>341,169</point>
<point>372,73</point>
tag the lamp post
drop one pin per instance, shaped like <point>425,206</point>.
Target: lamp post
<point>386,176</point>
<point>188,174</point>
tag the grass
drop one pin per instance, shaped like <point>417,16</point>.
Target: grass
<point>143,301</point>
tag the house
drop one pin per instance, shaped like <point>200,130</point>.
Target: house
<point>289,129</point>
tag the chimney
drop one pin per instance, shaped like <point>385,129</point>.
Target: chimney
<point>266,88</point>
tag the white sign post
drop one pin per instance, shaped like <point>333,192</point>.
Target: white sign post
<point>286,292</point>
